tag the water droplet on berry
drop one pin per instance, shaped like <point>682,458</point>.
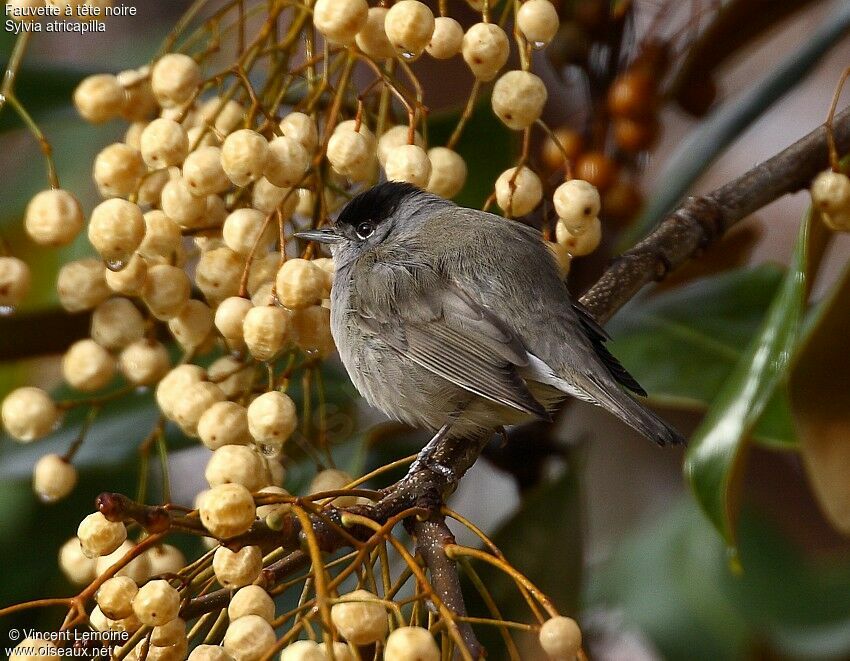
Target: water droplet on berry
<point>115,265</point>
<point>7,310</point>
<point>407,55</point>
<point>537,45</point>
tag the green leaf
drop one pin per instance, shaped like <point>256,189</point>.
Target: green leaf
<point>724,125</point>
<point>715,452</point>
<point>671,581</point>
<point>683,344</point>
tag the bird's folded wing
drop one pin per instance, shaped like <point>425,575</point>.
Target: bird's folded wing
<point>451,336</point>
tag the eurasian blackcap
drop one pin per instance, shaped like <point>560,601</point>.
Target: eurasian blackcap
<point>458,320</point>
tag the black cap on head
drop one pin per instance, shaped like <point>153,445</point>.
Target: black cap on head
<point>376,204</point>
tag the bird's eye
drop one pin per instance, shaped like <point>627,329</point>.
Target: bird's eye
<point>364,230</point>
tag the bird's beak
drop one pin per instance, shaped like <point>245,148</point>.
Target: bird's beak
<point>327,235</point>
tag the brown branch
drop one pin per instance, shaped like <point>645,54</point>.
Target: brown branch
<point>702,220</point>
<point>432,536</point>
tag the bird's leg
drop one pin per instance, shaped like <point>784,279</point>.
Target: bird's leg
<point>426,459</point>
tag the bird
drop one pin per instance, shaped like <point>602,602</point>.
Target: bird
<point>458,321</point>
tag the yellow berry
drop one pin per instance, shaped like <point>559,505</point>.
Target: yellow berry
<point>446,40</point>
<point>15,281</point>
<point>560,638</point>
<point>518,99</point>
<point>538,21</point>
<point>164,143</point>
<point>411,644</point>
<point>227,510</point>
<point>156,603</point>
<point>360,618</point>
<point>166,291</point>
<point>287,162</point>
<point>53,478</point>
<point>372,37</point>
<point>116,323</point>
<point>272,418</point>
<point>485,50</point>
<point>238,464</point>
<point>87,366</point>
<point>266,331</point>
<point>409,25</point>
<point>99,98</point>
<point>174,79</point>
<point>81,286</point>
<point>118,170</point>
<point>580,243</point>
<point>302,128</point>
<point>244,155</point>
<point>28,413</point>
<point>194,400</point>
<point>234,569</point>
<point>53,218</point>
<point>340,20</point>
<point>448,172</point>
<point>408,163</point>
<point>99,536</point>
<point>116,229</point>
<point>518,192</point>
<point>300,283</point>
<point>577,203</point>
<point>144,362</point>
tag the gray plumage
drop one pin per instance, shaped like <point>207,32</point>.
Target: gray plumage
<point>446,315</point>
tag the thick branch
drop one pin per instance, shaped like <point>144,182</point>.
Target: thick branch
<point>703,219</point>
<point>432,536</point>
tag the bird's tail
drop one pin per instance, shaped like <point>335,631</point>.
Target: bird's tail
<point>635,414</point>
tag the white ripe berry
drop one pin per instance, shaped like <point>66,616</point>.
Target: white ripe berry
<point>251,600</point>
<point>150,190</point>
<point>229,318</point>
<point>133,136</point>
<point>327,266</point>
<point>372,38</point>
<point>272,418</point>
<point>227,510</point>
<point>118,170</point>
<point>87,366</point>
<point>303,650</point>
<point>164,143</point>
<point>233,376</point>
<point>77,567</point>
<point>29,413</point>
<point>831,192</point>
<point>301,128</point>
<point>332,479</point>
<point>99,98</point>
<point>538,21</point>
<point>300,283</point>
<point>218,274</point>
<point>223,424</point>
<point>15,281</point>
<point>560,638</point>
<point>408,163</point>
<point>409,25</point>
<point>412,644</point>
<point>202,136</point>
<point>581,243</point>
<point>267,197</point>
<point>130,280</point>
<point>170,389</point>
<point>350,154</point>
<point>518,99</point>
<point>225,116</point>
<point>360,618</point>
<point>139,101</point>
<point>137,569</point>
<point>116,229</point>
<point>234,569</point>
<point>192,325</point>
<point>447,39</point>
<point>53,218</point>
<point>81,286</point>
<point>156,603</point>
<point>448,172</point>
<point>266,331</point>
<point>312,330</point>
<point>99,536</point>
<point>244,155</point>
<point>485,50</point>
<point>237,464</point>
<point>165,559</point>
<point>32,649</point>
<point>179,204</point>
<point>166,291</point>
<point>518,193</point>
<point>245,228</point>
<point>287,162</point>
<point>162,237</point>
<point>144,362</point>
<point>115,597</point>
<point>116,323</point>
<point>396,137</point>
<point>203,172</point>
<point>340,20</point>
<point>577,203</point>
<point>170,633</point>
<point>342,652</point>
<point>193,401</point>
<point>174,79</point>
<point>209,653</point>
<point>53,478</point>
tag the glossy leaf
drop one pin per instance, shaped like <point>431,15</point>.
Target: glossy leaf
<point>820,405</point>
<point>697,152</point>
<point>670,582</point>
<point>715,454</point>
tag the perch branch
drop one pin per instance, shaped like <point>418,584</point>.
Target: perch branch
<point>703,219</point>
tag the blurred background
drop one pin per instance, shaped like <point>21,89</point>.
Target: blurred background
<point>610,528</point>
